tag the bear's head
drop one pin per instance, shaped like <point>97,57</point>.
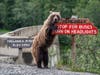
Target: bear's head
<point>54,17</point>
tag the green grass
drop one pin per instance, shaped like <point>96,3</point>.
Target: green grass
<point>2,31</point>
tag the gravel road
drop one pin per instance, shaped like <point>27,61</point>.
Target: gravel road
<point>16,69</point>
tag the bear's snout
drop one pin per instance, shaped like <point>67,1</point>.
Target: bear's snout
<point>55,19</point>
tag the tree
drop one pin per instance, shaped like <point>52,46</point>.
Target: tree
<point>2,14</point>
<point>89,9</point>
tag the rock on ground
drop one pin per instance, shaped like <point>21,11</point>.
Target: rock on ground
<point>16,69</point>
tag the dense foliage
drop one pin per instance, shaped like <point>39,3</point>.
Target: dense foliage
<point>89,9</point>
<point>20,13</point>
<point>87,53</point>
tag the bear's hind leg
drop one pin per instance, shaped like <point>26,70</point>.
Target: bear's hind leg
<point>34,58</point>
<point>45,59</point>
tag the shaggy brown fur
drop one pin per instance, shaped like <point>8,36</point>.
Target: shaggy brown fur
<point>44,39</point>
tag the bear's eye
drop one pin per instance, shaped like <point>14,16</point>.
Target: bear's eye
<point>58,17</point>
<point>53,15</point>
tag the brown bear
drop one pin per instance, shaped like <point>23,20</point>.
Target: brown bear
<point>44,39</point>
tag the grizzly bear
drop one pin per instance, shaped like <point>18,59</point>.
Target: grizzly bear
<point>44,39</point>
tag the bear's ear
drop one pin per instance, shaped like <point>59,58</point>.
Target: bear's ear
<point>50,12</point>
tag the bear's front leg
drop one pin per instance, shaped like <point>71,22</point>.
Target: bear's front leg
<point>45,59</point>
<point>39,58</point>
